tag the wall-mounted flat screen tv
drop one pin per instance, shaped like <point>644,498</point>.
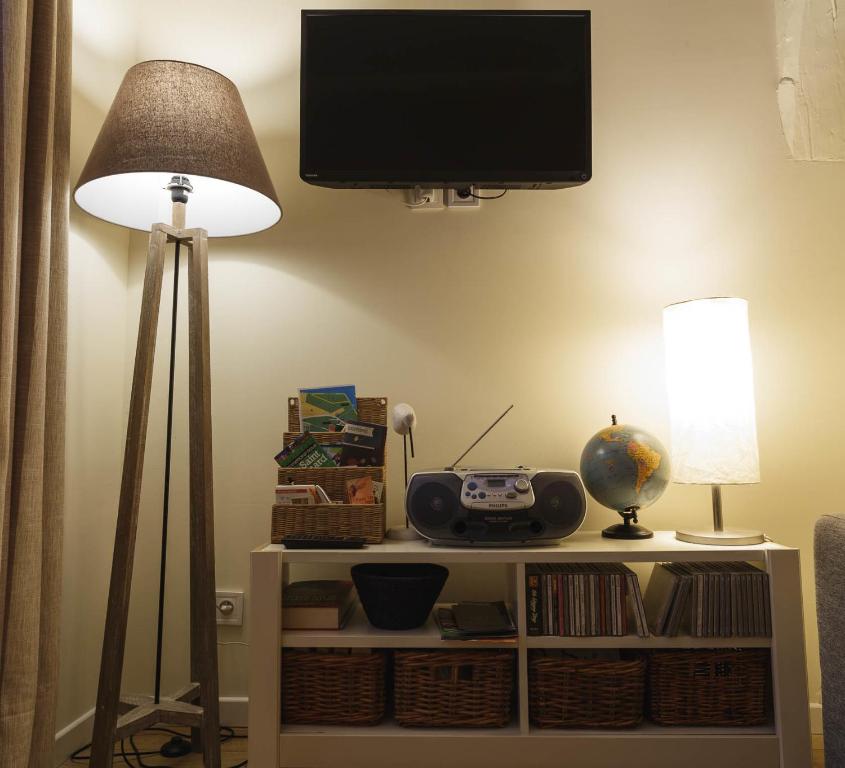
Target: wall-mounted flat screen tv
<point>495,99</point>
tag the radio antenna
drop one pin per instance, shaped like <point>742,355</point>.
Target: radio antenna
<point>481,436</point>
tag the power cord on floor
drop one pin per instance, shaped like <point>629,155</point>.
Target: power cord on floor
<point>78,757</point>
<point>226,734</point>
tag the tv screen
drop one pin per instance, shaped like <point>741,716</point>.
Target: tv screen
<point>497,99</point>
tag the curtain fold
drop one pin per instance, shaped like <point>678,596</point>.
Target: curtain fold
<point>35,68</point>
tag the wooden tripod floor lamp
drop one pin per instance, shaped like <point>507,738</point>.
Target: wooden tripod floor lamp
<point>176,145</point>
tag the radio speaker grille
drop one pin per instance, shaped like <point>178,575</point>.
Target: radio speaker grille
<point>434,504</point>
<point>560,503</point>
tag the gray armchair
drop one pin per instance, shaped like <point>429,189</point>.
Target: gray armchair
<point>830,603</point>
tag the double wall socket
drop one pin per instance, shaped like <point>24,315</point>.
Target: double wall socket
<point>428,198</point>
<point>230,608</point>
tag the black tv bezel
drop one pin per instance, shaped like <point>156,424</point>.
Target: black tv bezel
<point>439,178</point>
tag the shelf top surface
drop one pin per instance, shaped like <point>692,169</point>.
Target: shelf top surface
<point>581,546</point>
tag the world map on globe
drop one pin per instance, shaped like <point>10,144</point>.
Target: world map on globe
<point>625,468</point>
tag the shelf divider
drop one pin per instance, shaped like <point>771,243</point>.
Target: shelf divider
<point>522,655</point>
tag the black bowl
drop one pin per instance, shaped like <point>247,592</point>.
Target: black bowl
<point>398,595</point>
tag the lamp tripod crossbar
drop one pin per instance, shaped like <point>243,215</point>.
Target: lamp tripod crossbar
<point>115,717</point>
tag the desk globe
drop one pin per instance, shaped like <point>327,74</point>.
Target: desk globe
<point>627,469</point>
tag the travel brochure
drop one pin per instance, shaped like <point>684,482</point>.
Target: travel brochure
<point>359,490</point>
<point>333,410</point>
<point>325,411</point>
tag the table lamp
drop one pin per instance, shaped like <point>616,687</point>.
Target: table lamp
<point>710,385</point>
<point>175,146</point>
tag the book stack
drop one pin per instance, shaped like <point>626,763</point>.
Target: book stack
<point>709,600</point>
<point>583,600</point>
<point>321,604</point>
<point>476,621</point>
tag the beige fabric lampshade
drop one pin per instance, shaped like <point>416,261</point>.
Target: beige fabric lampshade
<point>169,118</point>
<point>710,384</point>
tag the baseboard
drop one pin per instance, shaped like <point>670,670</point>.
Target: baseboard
<point>816,723</point>
<point>233,711</point>
<point>72,737</point>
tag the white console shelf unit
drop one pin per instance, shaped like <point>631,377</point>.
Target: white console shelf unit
<point>783,744</point>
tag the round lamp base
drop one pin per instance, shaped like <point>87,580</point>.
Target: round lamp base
<point>730,538</point>
<point>627,531</point>
<point>403,533</point>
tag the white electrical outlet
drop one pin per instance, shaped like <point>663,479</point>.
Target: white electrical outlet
<point>454,200</point>
<point>230,608</point>
<point>422,198</point>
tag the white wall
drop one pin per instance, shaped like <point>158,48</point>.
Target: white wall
<point>693,194</point>
<point>97,406</point>
<point>95,415</point>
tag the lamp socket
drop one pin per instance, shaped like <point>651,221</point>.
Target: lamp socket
<point>229,608</point>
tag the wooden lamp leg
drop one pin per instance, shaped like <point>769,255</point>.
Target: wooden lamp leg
<point>203,619</point>
<point>117,612</point>
<point>137,713</point>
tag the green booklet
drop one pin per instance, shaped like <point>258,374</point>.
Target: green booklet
<point>304,451</point>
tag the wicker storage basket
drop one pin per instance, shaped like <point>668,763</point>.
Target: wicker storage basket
<point>453,688</point>
<point>365,520</point>
<point>709,687</point>
<point>585,693</point>
<point>331,688</point>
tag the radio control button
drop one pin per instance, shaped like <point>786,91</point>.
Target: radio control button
<point>522,485</point>
<point>482,495</point>
<point>472,486</point>
<point>466,493</point>
<point>475,495</point>
<point>511,494</point>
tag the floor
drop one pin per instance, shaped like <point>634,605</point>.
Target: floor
<point>818,752</point>
<point>234,752</point>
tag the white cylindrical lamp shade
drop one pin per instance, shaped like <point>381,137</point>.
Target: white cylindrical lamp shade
<point>710,385</point>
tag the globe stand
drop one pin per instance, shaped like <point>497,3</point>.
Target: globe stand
<point>627,530</point>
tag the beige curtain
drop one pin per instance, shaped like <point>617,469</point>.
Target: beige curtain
<point>35,61</point>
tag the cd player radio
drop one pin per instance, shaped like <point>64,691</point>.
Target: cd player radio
<point>496,507</point>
